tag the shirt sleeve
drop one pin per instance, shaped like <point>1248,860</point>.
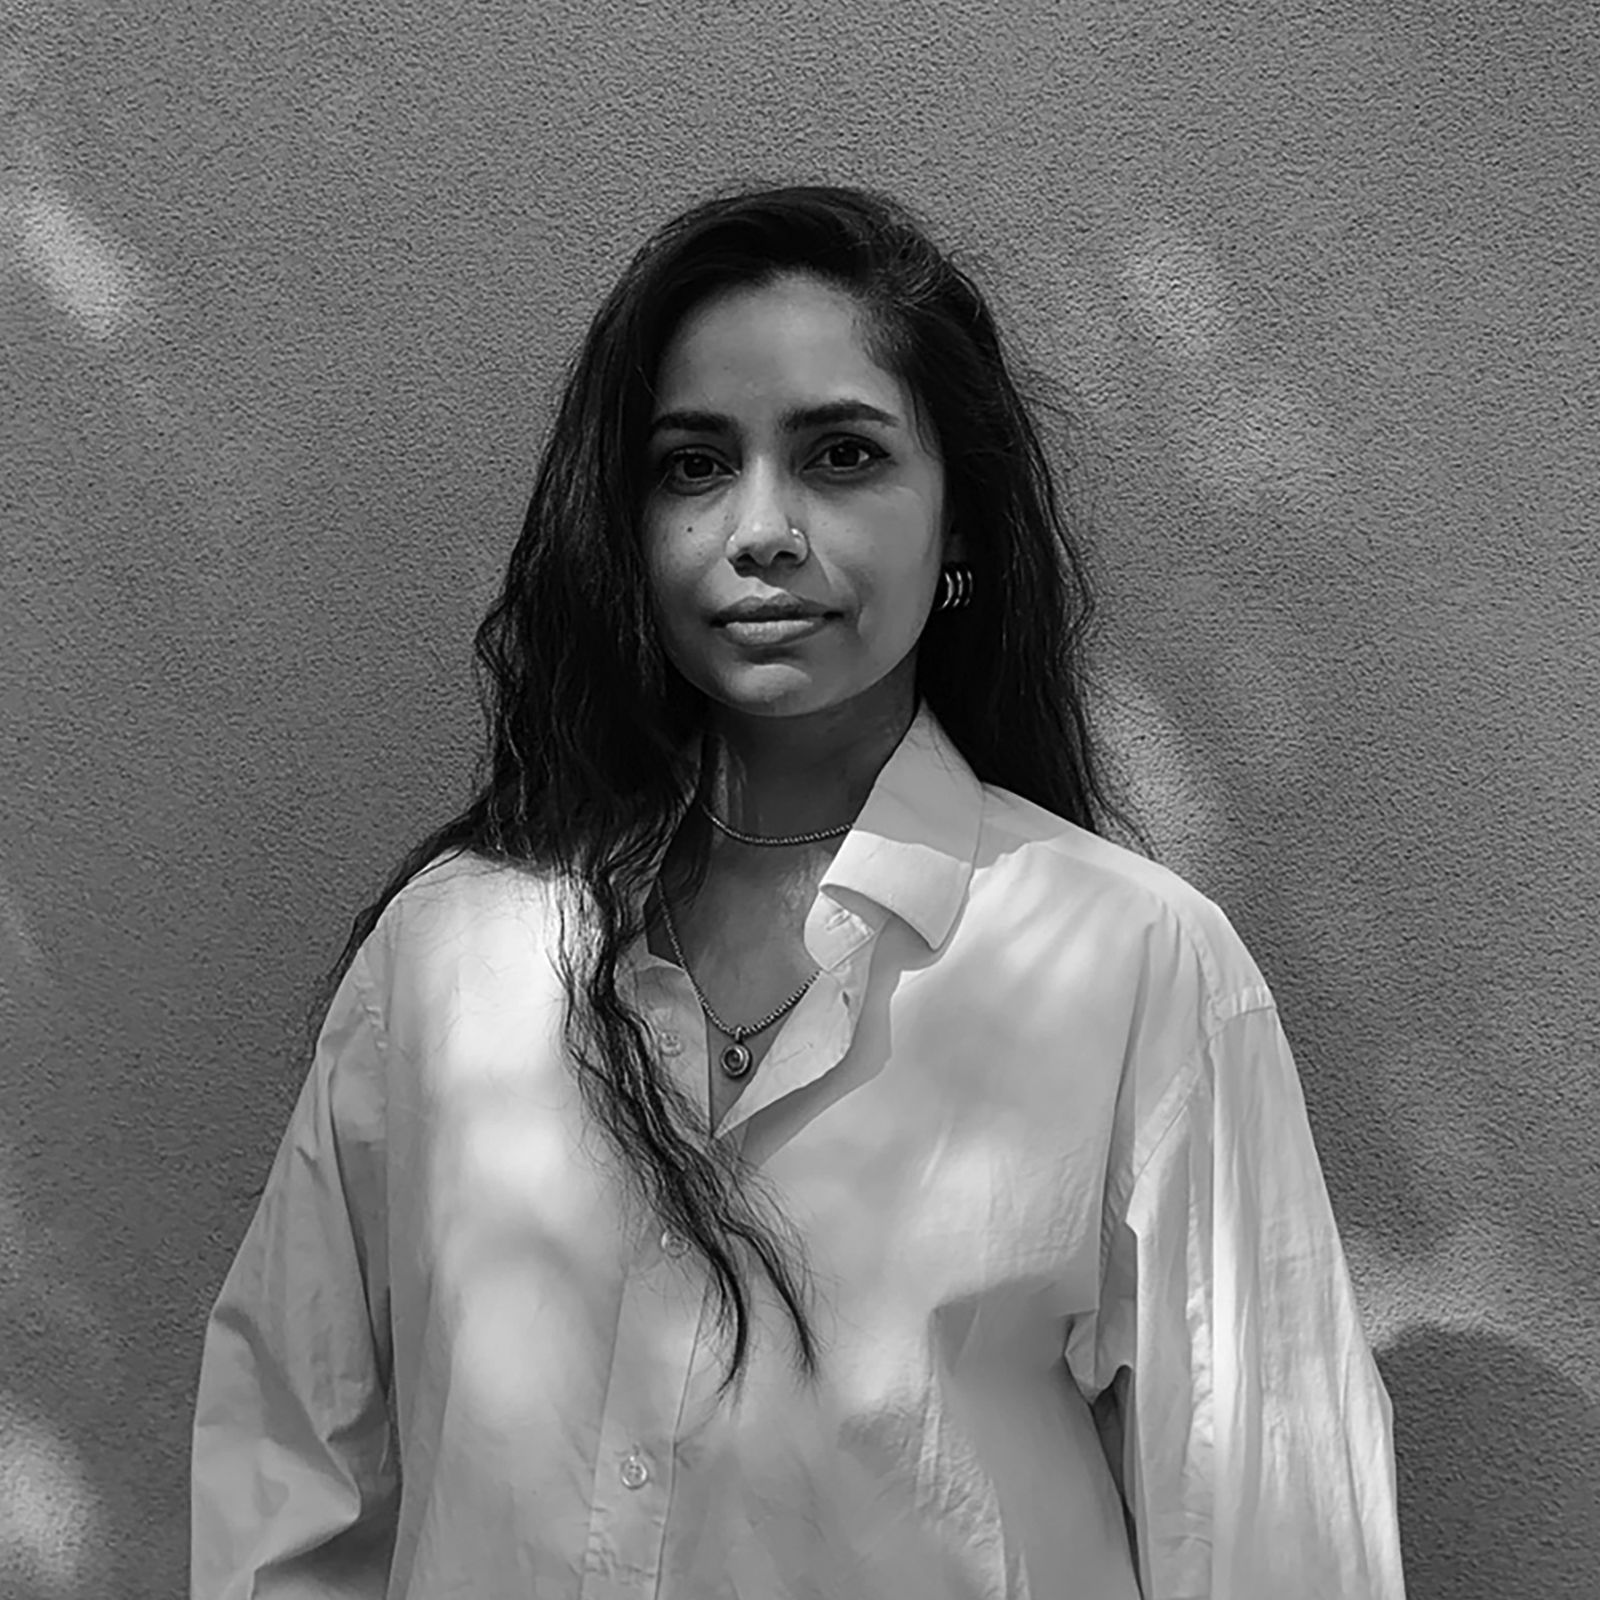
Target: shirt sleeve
<point>1258,1455</point>
<point>295,1476</point>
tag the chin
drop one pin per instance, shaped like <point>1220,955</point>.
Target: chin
<point>772,690</point>
<point>796,704</point>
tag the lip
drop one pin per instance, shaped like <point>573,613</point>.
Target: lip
<point>772,608</point>
<point>783,628</point>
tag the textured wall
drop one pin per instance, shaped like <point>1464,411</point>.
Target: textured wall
<point>285,291</point>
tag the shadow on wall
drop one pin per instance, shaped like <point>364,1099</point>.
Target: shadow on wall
<point>1496,1500</point>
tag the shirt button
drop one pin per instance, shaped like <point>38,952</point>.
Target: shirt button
<point>635,1470</point>
<point>671,1044</point>
<point>673,1244</point>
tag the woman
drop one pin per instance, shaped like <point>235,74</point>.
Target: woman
<point>771,1144</point>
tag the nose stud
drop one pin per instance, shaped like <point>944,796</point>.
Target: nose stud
<point>797,537</point>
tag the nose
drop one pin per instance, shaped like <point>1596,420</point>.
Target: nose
<point>764,533</point>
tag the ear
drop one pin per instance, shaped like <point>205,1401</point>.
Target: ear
<point>953,543</point>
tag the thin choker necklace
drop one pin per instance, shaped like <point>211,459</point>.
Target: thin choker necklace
<point>773,840</point>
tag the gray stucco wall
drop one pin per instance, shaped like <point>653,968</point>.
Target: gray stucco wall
<point>285,291</point>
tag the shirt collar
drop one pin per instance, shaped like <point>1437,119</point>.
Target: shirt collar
<point>912,847</point>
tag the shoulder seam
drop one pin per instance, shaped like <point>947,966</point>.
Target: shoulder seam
<point>1185,1082</point>
<point>1240,1003</point>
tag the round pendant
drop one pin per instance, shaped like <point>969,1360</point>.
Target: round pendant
<point>736,1060</point>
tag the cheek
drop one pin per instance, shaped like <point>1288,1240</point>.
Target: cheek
<point>676,578</point>
<point>669,568</point>
<point>897,595</point>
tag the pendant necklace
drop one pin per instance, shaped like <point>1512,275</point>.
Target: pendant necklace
<point>735,1059</point>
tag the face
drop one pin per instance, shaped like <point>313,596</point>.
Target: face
<point>772,417</point>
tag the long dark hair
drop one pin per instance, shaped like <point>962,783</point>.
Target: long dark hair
<point>591,731</point>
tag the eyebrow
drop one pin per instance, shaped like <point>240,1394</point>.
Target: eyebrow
<point>796,420</point>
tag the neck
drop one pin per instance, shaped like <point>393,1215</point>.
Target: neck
<point>785,775</point>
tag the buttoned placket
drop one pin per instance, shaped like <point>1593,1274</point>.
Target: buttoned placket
<point>653,1357</point>
<point>662,1355</point>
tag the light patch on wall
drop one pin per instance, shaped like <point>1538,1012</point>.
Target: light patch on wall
<point>224,469</point>
<point>1160,777</point>
<point>1257,438</point>
<point>88,276</point>
<point>1179,290</point>
<point>1243,433</point>
<point>22,963</point>
<point>49,1516</point>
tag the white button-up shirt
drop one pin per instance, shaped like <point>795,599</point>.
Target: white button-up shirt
<point>1035,1121</point>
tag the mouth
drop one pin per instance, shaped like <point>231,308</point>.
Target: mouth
<point>776,609</point>
<point>774,628</point>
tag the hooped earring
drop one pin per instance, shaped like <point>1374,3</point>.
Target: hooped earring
<point>956,583</point>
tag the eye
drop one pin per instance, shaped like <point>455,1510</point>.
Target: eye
<point>836,455</point>
<point>689,471</point>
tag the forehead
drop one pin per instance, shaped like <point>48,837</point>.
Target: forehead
<point>796,337</point>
